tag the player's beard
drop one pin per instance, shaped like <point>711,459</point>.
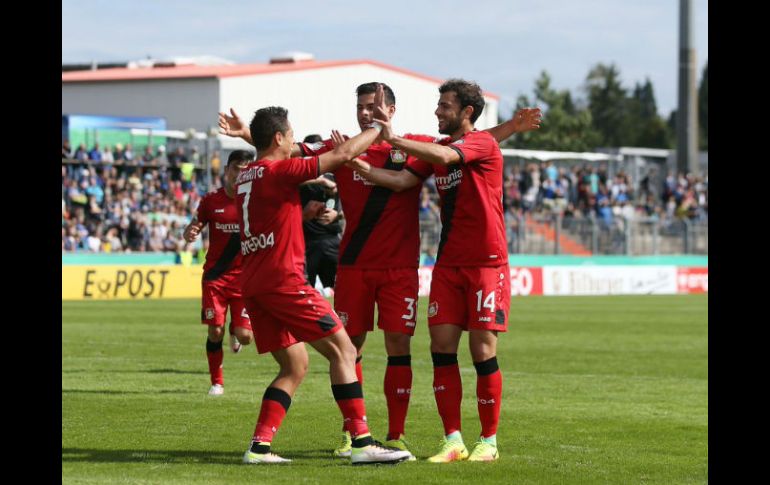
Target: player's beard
<point>450,127</point>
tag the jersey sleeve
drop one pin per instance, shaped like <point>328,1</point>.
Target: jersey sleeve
<point>294,171</point>
<point>473,148</point>
<point>419,168</point>
<point>202,211</point>
<point>416,166</point>
<point>317,148</point>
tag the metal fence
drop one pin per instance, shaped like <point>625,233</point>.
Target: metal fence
<point>555,234</point>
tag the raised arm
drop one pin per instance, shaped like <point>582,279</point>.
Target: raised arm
<point>525,119</point>
<point>234,126</point>
<point>391,179</point>
<point>331,161</point>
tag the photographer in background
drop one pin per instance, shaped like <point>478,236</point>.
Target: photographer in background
<point>322,216</point>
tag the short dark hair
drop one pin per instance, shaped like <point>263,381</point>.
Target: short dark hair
<point>312,139</point>
<point>468,93</point>
<point>240,156</point>
<point>266,123</point>
<point>370,88</point>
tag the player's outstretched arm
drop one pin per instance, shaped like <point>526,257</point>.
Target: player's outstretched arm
<point>331,161</point>
<point>525,119</point>
<point>234,126</point>
<point>391,179</point>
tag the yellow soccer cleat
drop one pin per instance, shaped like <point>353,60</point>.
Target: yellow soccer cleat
<point>343,450</point>
<point>451,450</point>
<point>484,452</point>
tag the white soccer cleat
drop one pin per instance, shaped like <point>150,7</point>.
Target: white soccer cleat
<point>263,458</point>
<point>235,346</point>
<point>377,454</point>
<point>216,390</point>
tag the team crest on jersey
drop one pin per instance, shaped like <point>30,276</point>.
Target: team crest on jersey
<point>343,318</point>
<point>397,156</point>
<point>209,313</point>
<point>433,309</point>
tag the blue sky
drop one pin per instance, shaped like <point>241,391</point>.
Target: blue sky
<point>501,44</point>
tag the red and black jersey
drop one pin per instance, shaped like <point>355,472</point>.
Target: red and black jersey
<point>473,228</point>
<point>382,226</point>
<point>224,255</point>
<point>269,208</point>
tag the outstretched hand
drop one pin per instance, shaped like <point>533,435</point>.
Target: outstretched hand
<point>337,138</point>
<point>381,114</point>
<point>527,119</point>
<point>232,125</point>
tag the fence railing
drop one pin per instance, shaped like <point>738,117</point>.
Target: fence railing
<point>555,234</point>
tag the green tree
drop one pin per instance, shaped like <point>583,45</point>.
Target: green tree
<point>648,129</point>
<point>565,127</point>
<point>609,106</point>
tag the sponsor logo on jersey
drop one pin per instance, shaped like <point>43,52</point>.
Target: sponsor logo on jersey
<point>452,179</point>
<point>403,391</point>
<point>209,313</point>
<point>397,156</point>
<point>227,227</point>
<point>486,401</point>
<point>410,324</point>
<point>485,319</point>
<point>219,211</point>
<point>256,243</point>
<point>244,314</point>
<point>458,142</point>
<point>358,178</point>
<point>433,309</point>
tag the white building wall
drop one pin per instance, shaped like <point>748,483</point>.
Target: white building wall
<point>185,103</point>
<point>320,100</point>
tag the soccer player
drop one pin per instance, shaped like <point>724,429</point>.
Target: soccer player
<point>221,272</point>
<point>285,310</point>
<point>372,268</point>
<point>470,288</point>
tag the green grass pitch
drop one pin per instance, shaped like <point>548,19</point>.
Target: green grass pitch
<point>596,390</point>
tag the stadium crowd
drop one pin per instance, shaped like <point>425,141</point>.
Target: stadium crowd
<point>117,201</point>
<point>114,200</point>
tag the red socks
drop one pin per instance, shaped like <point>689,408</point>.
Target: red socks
<point>398,388</point>
<point>275,405</point>
<point>447,389</point>
<point>214,355</point>
<point>350,399</point>
<point>489,391</point>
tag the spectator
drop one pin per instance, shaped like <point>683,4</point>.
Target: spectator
<point>95,154</point>
<point>216,163</point>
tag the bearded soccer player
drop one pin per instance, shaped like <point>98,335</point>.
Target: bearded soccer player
<point>221,272</point>
<point>285,310</point>
<point>470,288</point>
<point>372,269</point>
